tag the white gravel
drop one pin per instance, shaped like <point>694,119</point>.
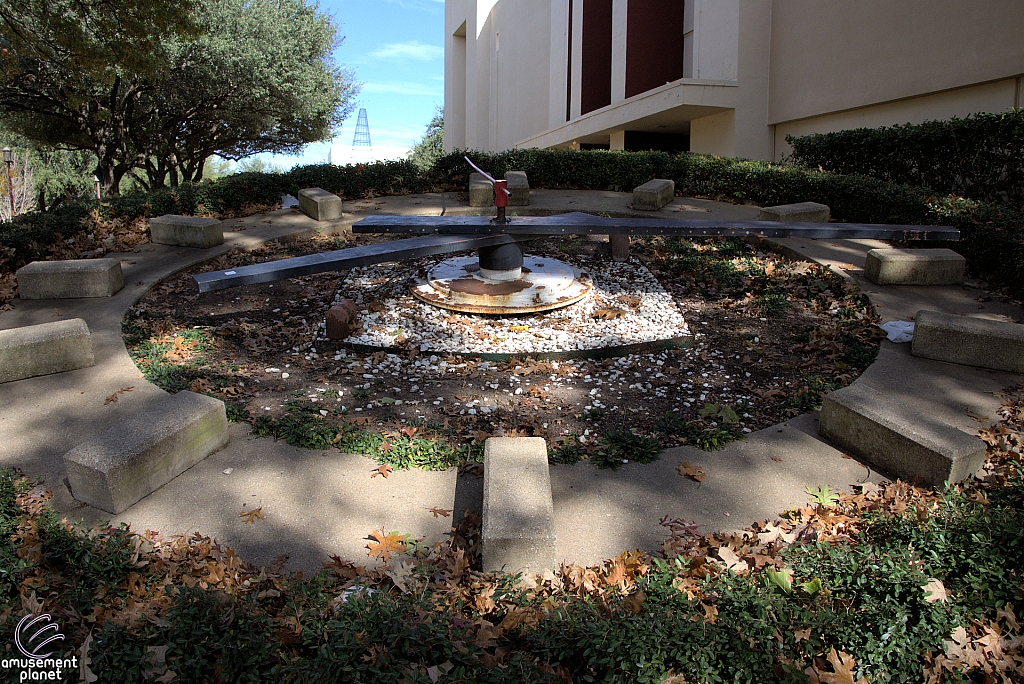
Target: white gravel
<point>391,317</point>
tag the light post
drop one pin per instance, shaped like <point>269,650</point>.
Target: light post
<point>9,160</point>
<point>97,179</point>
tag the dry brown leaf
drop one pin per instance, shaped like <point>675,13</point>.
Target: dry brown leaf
<point>634,602</point>
<point>440,512</point>
<point>384,470</point>
<point>384,545</point>
<point>842,665</point>
<point>112,399</point>
<point>691,471</point>
<point>252,516</point>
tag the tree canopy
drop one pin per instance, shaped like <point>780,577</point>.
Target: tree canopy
<point>256,76</point>
<point>430,148</point>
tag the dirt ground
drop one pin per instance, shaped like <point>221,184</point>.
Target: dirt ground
<point>772,336</point>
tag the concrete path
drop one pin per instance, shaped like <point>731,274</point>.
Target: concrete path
<point>322,503</point>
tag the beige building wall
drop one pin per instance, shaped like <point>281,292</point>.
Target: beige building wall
<point>840,64</point>
<point>753,71</point>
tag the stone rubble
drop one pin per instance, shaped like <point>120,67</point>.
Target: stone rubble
<point>627,305</point>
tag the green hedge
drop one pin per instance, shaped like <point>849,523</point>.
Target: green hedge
<point>992,234</point>
<point>980,157</point>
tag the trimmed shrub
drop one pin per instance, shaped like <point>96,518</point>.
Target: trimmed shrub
<point>980,156</point>
<point>992,234</point>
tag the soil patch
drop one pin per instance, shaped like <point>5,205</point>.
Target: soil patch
<point>771,336</point>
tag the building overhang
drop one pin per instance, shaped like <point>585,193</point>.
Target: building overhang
<point>667,109</point>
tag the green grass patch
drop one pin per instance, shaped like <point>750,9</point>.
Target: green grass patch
<point>624,446</point>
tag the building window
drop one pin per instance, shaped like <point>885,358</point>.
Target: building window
<point>596,64</point>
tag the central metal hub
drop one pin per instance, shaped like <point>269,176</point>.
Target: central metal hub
<point>501,280</point>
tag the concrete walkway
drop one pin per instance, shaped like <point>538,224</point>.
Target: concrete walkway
<point>322,503</point>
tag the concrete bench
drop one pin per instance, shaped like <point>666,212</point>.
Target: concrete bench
<point>518,533</point>
<point>654,194</point>
<point>70,279</point>
<point>914,267</point>
<point>138,456</point>
<point>519,186</point>
<point>481,192</point>
<point>320,205</point>
<point>969,341</point>
<point>44,349</point>
<point>186,231</point>
<point>802,212</point>
<point>874,426</point>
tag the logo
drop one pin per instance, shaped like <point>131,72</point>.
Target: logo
<point>35,634</point>
<point>37,638</point>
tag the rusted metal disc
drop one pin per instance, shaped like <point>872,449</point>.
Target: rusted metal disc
<point>545,284</point>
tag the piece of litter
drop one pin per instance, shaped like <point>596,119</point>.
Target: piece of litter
<point>227,471</point>
<point>230,272</point>
<point>898,331</point>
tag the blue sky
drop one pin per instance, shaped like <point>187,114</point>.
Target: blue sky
<point>396,49</point>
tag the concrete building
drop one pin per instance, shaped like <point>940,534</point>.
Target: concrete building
<point>728,77</point>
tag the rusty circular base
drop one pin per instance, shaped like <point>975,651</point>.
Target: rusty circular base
<point>546,284</point>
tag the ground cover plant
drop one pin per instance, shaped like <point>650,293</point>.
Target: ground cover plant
<point>774,336</point>
<point>889,583</point>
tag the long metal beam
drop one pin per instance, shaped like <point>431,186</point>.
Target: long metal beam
<point>578,223</point>
<point>343,259</point>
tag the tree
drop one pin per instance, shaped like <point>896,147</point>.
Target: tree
<point>56,175</point>
<point>91,36</point>
<point>430,148</point>
<point>259,78</point>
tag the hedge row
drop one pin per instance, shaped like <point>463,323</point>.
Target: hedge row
<point>980,157</point>
<point>992,234</point>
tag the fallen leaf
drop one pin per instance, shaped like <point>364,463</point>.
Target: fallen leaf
<point>691,471</point>
<point>112,399</point>
<point>384,470</point>
<point>732,561</point>
<point>84,673</point>
<point>126,389</point>
<point>252,516</point>
<point>440,512</point>
<point>843,664</point>
<point>402,576</point>
<point>634,601</point>
<point>384,545</point>
<point>934,591</point>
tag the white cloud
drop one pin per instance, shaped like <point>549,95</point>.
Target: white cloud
<point>412,50</point>
<point>403,88</point>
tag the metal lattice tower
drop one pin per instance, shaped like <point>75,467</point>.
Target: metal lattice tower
<point>362,136</point>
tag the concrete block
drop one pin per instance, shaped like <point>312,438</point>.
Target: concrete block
<point>901,440</point>
<point>481,192</point>
<point>518,532</point>
<point>70,279</point>
<point>969,341</point>
<point>914,267</point>
<point>44,349</point>
<point>320,205</point>
<point>138,456</point>
<point>654,194</point>
<point>519,186</point>
<point>802,212</point>
<point>186,231</point>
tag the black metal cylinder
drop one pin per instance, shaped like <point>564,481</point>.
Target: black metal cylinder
<point>501,257</point>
